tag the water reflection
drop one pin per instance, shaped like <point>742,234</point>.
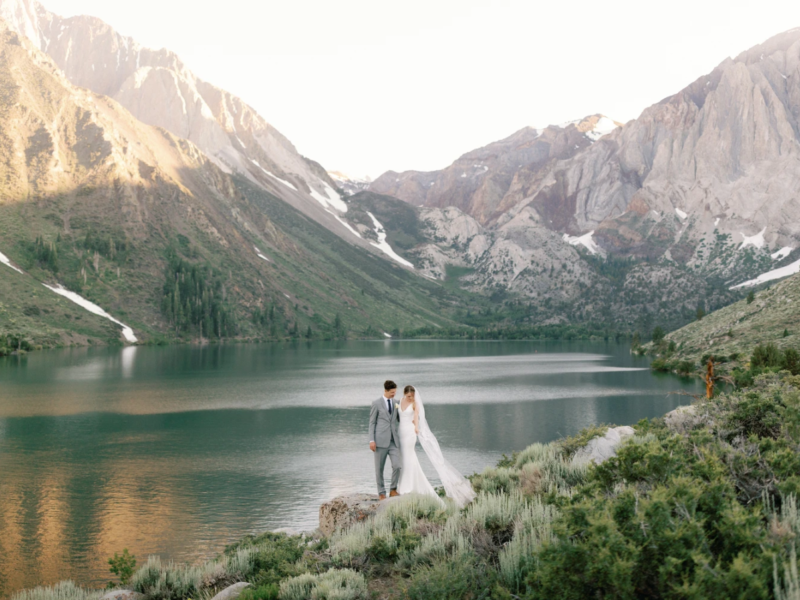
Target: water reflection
<point>176,451</point>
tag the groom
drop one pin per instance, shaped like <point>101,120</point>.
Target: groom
<point>384,437</point>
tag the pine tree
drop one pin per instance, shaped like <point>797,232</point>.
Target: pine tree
<point>750,297</point>
<point>309,333</point>
<point>337,325</point>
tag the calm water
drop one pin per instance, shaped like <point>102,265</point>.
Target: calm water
<point>179,450</point>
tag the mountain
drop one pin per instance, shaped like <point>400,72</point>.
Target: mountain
<point>719,159</point>
<point>715,164</point>
<point>159,237</point>
<point>478,181</point>
<point>349,185</point>
<point>158,89</point>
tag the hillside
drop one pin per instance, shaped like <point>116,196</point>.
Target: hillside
<point>730,334</point>
<point>147,227</point>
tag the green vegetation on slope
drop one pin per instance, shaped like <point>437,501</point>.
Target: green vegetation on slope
<point>767,319</point>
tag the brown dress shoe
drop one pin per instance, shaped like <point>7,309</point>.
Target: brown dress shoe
<point>382,497</point>
<point>393,493</point>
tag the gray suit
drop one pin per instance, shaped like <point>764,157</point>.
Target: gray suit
<point>384,430</point>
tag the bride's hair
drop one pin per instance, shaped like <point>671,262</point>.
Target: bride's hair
<point>408,388</point>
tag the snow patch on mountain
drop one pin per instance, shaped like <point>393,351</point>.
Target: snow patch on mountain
<point>346,224</point>
<point>331,199</point>
<point>786,271</point>
<point>757,240</point>
<point>384,246</point>
<point>127,332</point>
<point>604,126</point>
<point>258,252</point>
<point>271,174</point>
<point>585,240</point>
<point>680,213</point>
<point>782,253</point>
<point>5,260</point>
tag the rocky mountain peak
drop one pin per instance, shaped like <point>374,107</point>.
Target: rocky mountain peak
<point>478,181</point>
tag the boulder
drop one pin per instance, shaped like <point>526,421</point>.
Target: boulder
<point>122,595</point>
<point>602,448</point>
<point>683,418</point>
<point>232,591</point>
<point>344,511</point>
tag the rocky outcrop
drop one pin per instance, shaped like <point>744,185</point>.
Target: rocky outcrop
<point>602,448</point>
<point>122,595</point>
<point>344,511</point>
<point>229,593</point>
<point>683,418</point>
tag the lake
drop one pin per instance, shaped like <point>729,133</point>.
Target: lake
<point>179,450</point>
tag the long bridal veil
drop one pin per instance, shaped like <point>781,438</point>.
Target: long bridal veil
<point>455,484</point>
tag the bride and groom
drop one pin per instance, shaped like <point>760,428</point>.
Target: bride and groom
<point>394,427</point>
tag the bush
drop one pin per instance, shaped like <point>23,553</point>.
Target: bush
<point>766,356</point>
<point>571,445</point>
<point>167,582</point>
<point>685,367</point>
<point>756,414</point>
<point>495,480</point>
<point>334,585</point>
<point>265,559</point>
<point>65,590</point>
<point>791,361</point>
<point>123,566</point>
<point>454,579</point>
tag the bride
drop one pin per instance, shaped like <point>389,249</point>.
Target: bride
<point>413,426</point>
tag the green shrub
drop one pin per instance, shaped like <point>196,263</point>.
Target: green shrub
<point>269,591</point>
<point>451,541</point>
<point>265,559</point>
<point>766,356</point>
<point>685,367</point>
<point>571,445</point>
<point>123,566</point>
<point>65,590</point>
<point>333,585</point>
<point>756,414</point>
<point>788,586</point>
<point>791,361</point>
<point>495,480</point>
<point>167,582</point>
<point>537,452</point>
<point>455,579</point>
<point>532,528</point>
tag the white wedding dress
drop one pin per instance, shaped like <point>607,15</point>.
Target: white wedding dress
<point>412,478</point>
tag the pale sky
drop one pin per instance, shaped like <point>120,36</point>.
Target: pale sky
<point>364,86</point>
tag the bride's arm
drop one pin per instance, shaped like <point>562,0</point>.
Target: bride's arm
<point>416,418</point>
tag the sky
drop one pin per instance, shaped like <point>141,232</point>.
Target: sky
<point>366,86</point>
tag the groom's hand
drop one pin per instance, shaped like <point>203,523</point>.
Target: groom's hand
<point>372,446</point>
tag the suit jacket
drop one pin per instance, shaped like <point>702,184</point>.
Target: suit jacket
<point>384,428</point>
